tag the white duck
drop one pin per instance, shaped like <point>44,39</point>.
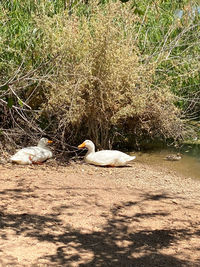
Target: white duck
<point>105,157</point>
<point>33,154</point>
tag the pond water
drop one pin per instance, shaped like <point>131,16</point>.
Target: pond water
<point>188,166</point>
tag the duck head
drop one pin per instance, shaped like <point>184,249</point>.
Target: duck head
<point>44,142</point>
<point>89,145</point>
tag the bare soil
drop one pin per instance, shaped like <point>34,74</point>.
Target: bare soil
<point>82,215</point>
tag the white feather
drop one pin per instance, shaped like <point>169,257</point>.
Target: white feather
<point>33,154</point>
<point>105,157</point>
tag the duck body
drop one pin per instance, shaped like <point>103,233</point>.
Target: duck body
<point>33,154</point>
<point>113,158</point>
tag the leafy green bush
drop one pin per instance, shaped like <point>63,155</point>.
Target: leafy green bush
<point>169,36</point>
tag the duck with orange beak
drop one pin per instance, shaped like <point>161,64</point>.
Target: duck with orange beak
<point>33,154</point>
<point>112,158</point>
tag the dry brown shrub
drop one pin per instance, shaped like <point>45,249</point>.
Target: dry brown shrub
<point>98,85</point>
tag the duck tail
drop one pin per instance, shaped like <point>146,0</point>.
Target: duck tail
<point>14,158</point>
<point>132,158</point>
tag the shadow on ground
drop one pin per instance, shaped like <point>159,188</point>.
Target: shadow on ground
<point>117,243</point>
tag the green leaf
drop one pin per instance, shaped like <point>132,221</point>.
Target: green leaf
<point>4,87</point>
<point>138,11</point>
<point>20,102</point>
<point>10,102</point>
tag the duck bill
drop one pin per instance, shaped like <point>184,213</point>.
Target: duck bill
<point>49,141</point>
<point>81,145</point>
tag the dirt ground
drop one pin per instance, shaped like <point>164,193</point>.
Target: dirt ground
<point>81,215</point>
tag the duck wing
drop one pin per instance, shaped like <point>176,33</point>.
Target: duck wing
<point>109,158</point>
<point>29,155</point>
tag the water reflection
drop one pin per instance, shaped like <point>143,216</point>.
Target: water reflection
<point>188,166</point>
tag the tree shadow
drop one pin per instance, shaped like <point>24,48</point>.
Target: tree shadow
<point>115,244</point>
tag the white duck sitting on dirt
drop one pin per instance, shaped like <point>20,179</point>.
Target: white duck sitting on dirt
<point>33,154</point>
<point>112,158</point>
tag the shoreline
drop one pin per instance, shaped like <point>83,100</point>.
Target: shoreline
<point>137,173</point>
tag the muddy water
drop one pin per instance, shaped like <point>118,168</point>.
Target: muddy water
<point>188,166</point>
